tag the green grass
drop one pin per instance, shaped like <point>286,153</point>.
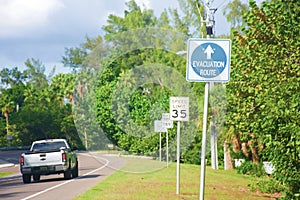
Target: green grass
<point>161,184</point>
<point>2,174</point>
<point>138,165</point>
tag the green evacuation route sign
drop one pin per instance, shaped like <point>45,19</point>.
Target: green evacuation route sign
<point>208,60</point>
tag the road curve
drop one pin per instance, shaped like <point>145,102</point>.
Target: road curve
<point>93,168</point>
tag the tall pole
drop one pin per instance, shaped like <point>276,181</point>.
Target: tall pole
<point>167,152</point>
<point>85,138</point>
<point>209,32</point>
<point>160,146</point>
<point>202,171</point>
<point>213,142</point>
<point>210,22</point>
<point>178,160</point>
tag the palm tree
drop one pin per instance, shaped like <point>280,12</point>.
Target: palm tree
<point>6,108</point>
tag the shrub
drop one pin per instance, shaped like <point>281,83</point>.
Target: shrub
<point>267,185</point>
<point>250,168</point>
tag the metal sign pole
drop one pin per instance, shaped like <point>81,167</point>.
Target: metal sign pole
<point>202,171</point>
<point>178,159</point>
<point>167,152</point>
<point>160,146</point>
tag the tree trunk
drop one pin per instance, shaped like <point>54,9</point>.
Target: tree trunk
<point>6,119</point>
<point>71,98</point>
<point>254,152</point>
<point>227,157</point>
<point>80,89</point>
<point>255,156</point>
<point>245,149</point>
<point>236,144</point>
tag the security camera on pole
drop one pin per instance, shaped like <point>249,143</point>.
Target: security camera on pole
<point>208,61</point>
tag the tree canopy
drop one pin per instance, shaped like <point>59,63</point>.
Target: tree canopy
<point>263,94</point>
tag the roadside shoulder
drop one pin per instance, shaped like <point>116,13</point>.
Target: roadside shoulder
<point>4,164</point>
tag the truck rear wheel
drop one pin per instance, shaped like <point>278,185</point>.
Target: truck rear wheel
<point>67,174</point>
<point>26,178</point>
<point>75,171</point>
<point>36,177</point>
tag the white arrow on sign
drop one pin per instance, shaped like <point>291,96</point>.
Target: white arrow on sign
<point>208,52</point>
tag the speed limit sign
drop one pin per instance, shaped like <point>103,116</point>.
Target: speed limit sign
<point>179,108</point>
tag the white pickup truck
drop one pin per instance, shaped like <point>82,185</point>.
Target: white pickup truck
<point>53,156</point>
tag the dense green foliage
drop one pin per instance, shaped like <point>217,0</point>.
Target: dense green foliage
<point>263,94</point>
<point>133,81</point>
<point>267,185</point>
<point>250,168</point>
<point>129,98</point>
<point>33,109</point>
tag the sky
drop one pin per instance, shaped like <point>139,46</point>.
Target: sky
<point>42,29</point>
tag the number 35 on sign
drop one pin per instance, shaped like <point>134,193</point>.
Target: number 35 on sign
<point>179,108</point>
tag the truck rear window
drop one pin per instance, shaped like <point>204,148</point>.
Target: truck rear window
<point>48,146</point>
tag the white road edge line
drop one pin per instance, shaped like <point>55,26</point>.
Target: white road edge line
<point>66,182</point>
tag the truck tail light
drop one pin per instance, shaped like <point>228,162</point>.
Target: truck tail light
<point>64,157</point>
<point>22,160</point>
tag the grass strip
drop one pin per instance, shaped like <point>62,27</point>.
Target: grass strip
<point>3,174</point>
<point>161,184</point>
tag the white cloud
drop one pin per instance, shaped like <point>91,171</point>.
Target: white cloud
<point>20,15</point>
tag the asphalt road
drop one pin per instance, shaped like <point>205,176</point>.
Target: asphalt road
<point>93,168</point>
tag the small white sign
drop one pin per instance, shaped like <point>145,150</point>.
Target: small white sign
<point>158,126</point>
<point>179,108</point>
<point>166,122</point>
<point>165,116</point>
